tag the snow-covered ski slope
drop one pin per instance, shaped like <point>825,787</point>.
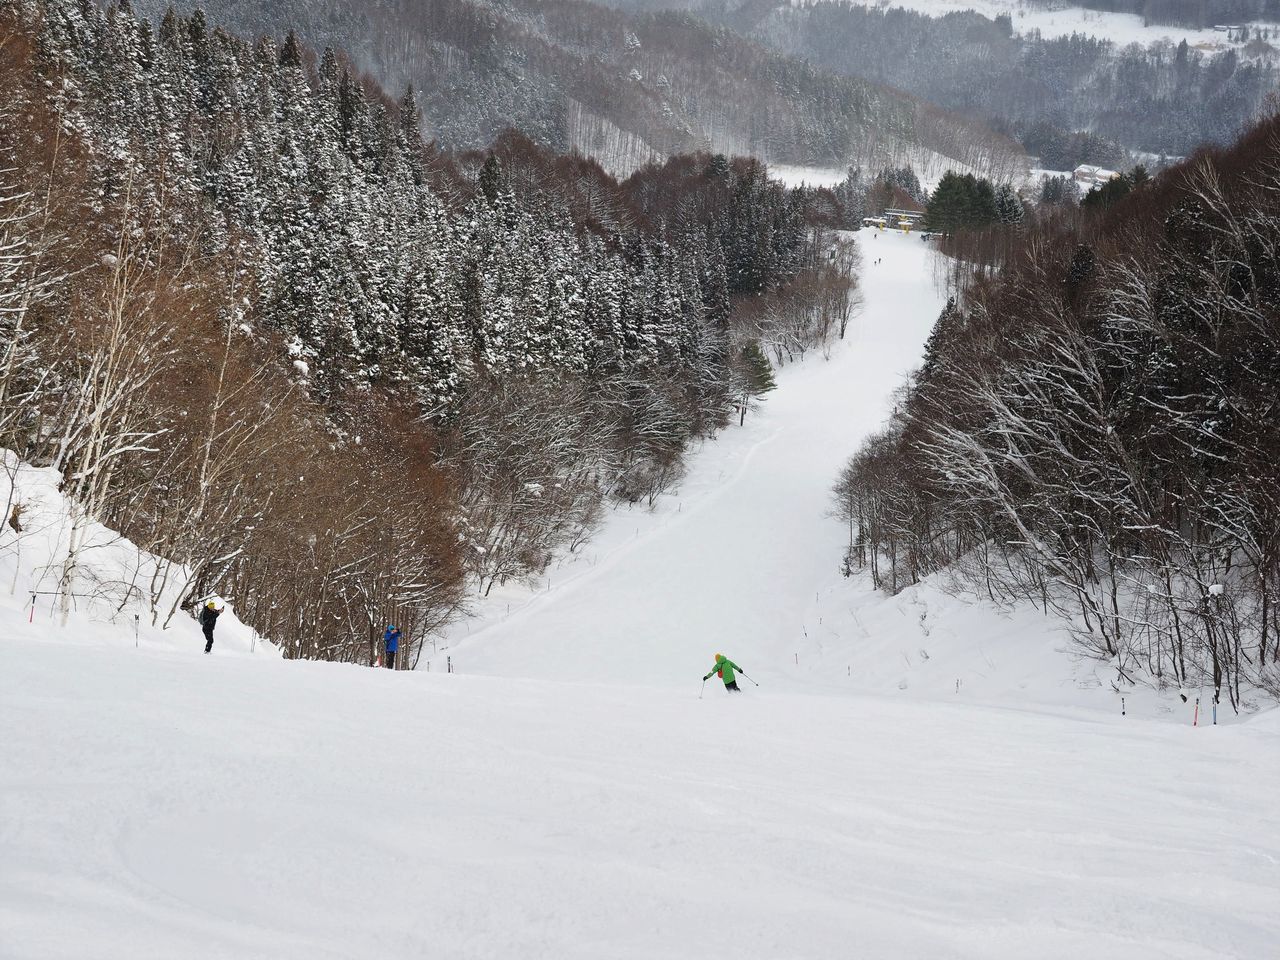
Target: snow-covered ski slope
<point>743,558</point>
<point>747,539</point>
<point>568,795</point>
<point>156,807</point>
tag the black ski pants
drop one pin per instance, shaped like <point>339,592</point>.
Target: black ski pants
<point>208,637</point>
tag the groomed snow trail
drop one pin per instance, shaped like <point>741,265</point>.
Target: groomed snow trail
<point>737,567</point>
<point>156,807</point>
<point>158,803</point>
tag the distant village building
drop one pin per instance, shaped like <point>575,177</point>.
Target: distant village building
<point>1093,176</point>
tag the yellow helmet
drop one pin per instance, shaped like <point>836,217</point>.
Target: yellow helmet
<point>210,604</point>
<point>719,656</point>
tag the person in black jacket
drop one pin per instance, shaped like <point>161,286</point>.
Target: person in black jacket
<point>208,617</point>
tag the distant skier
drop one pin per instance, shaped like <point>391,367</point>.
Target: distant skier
<point>724,669</point>
<point>391,643</point>
<point>208,617</point>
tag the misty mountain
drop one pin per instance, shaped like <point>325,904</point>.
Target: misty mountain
<point>1161,98</point>
<point>624,88</point>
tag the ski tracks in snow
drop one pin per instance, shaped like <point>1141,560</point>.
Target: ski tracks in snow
<point>581,574</point>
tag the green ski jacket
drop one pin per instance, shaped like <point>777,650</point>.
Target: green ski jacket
<point>726,668</point>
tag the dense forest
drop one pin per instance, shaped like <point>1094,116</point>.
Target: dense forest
<point>1094,428</point>
<point>268,333</point>
<point>1046,92</point>
<point>624,89</point>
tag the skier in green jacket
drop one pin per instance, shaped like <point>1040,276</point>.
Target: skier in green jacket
<point>725,668</point>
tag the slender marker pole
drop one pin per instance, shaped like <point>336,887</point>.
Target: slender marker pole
<point>1195,717</point>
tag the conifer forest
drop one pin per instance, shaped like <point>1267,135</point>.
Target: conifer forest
<point>359,324</point>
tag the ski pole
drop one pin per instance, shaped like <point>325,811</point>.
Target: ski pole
<point>749,678</point>
<point>704,687</point>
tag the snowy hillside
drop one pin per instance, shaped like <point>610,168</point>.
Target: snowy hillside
<point>1064,20</point>
<point>116,594</point>
<point>572,792</point>
<point>927,165</point>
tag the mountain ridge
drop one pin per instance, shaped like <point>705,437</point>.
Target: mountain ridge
<point>624,88</point>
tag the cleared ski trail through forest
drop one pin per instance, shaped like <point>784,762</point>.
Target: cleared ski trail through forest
<point>735,570</point>
<point>158,803</point>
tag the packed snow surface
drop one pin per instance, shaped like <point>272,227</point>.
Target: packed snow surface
<point>179,806</point>
<point>929,166</point>
<point>798,176</point>
<point>913,777</point>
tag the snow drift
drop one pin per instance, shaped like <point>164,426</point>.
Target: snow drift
<point>112,593</point>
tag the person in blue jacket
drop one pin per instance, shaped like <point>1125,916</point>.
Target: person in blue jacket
<point>391,643</point>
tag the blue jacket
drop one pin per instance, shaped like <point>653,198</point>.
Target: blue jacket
<point>391,639</point>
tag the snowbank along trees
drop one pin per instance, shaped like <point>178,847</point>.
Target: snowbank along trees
<point>1095,429</point>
